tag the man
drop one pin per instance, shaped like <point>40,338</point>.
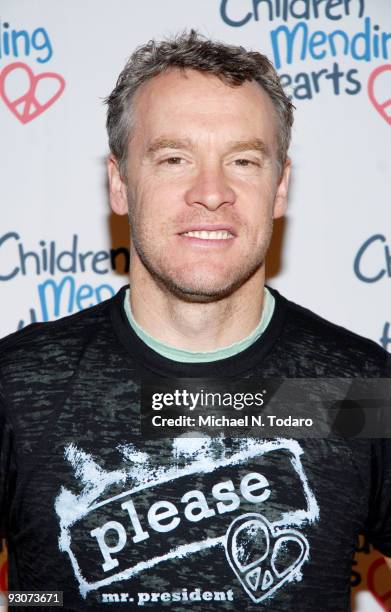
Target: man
<point>199,133</point>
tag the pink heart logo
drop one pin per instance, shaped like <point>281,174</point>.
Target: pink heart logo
<point>27,107</point>
<point>377,582</point>
<point>264,557</point>
<point>380,106</point>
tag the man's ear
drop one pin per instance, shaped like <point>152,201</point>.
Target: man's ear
<point>117,187</point>
<point>281,197</point>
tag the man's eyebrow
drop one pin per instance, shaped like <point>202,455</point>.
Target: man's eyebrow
<point>168,143</point>
<point>255,144</point>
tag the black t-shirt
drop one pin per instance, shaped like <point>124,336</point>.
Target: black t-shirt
<point>116,521</point>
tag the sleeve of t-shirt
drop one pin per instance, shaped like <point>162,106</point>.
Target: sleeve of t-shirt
<point>379,521</point>
<point>7,469</point>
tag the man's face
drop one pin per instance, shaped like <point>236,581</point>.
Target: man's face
<point>202,184</point>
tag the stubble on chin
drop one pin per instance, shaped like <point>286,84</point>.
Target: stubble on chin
<point>189,286</point>
<point>186,284</point>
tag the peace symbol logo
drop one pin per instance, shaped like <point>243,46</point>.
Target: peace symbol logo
<point>383,107</point>
<point>39,93</point>
<point>376,584</point>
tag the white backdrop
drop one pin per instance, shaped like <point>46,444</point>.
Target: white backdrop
<point>59,59</point>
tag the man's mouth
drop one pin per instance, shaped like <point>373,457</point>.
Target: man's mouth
<point>209,235</point>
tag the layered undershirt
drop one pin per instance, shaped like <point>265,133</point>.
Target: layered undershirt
<point>185,356</point>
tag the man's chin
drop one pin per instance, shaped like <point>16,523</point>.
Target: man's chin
<point>202,292</point>
<point>195,285</point>
<point>199,296</point>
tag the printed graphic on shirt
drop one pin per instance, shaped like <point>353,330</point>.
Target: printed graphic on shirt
<point>263,558</point>
<point>251,504</point>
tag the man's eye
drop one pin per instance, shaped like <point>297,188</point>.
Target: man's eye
<point>173,161</point>
<point>244,162</point>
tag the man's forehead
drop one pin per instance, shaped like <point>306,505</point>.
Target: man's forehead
<point>180,109</point>
<point>200,84</point>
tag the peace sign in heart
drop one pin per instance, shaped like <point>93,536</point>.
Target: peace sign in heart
<point>262,556</point>
<point>27,106</point>
<point>383,107</point>
<point>377,583</point>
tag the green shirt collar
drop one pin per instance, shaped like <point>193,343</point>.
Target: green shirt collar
<point>185,356</point>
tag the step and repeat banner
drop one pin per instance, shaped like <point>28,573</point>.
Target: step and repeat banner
<point>62,250</point>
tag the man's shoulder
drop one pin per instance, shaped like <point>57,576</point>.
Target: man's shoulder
<point>317,338</point>
<point>55,341</point>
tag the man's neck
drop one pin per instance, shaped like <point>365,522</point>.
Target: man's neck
<point>197,326</point>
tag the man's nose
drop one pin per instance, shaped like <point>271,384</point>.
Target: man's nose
<point>210,189</point>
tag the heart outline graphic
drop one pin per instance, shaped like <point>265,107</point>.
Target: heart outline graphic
<point>29,99</point>
<point>381,598</point>
<point>271,576</point>
<point>381,108</point>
